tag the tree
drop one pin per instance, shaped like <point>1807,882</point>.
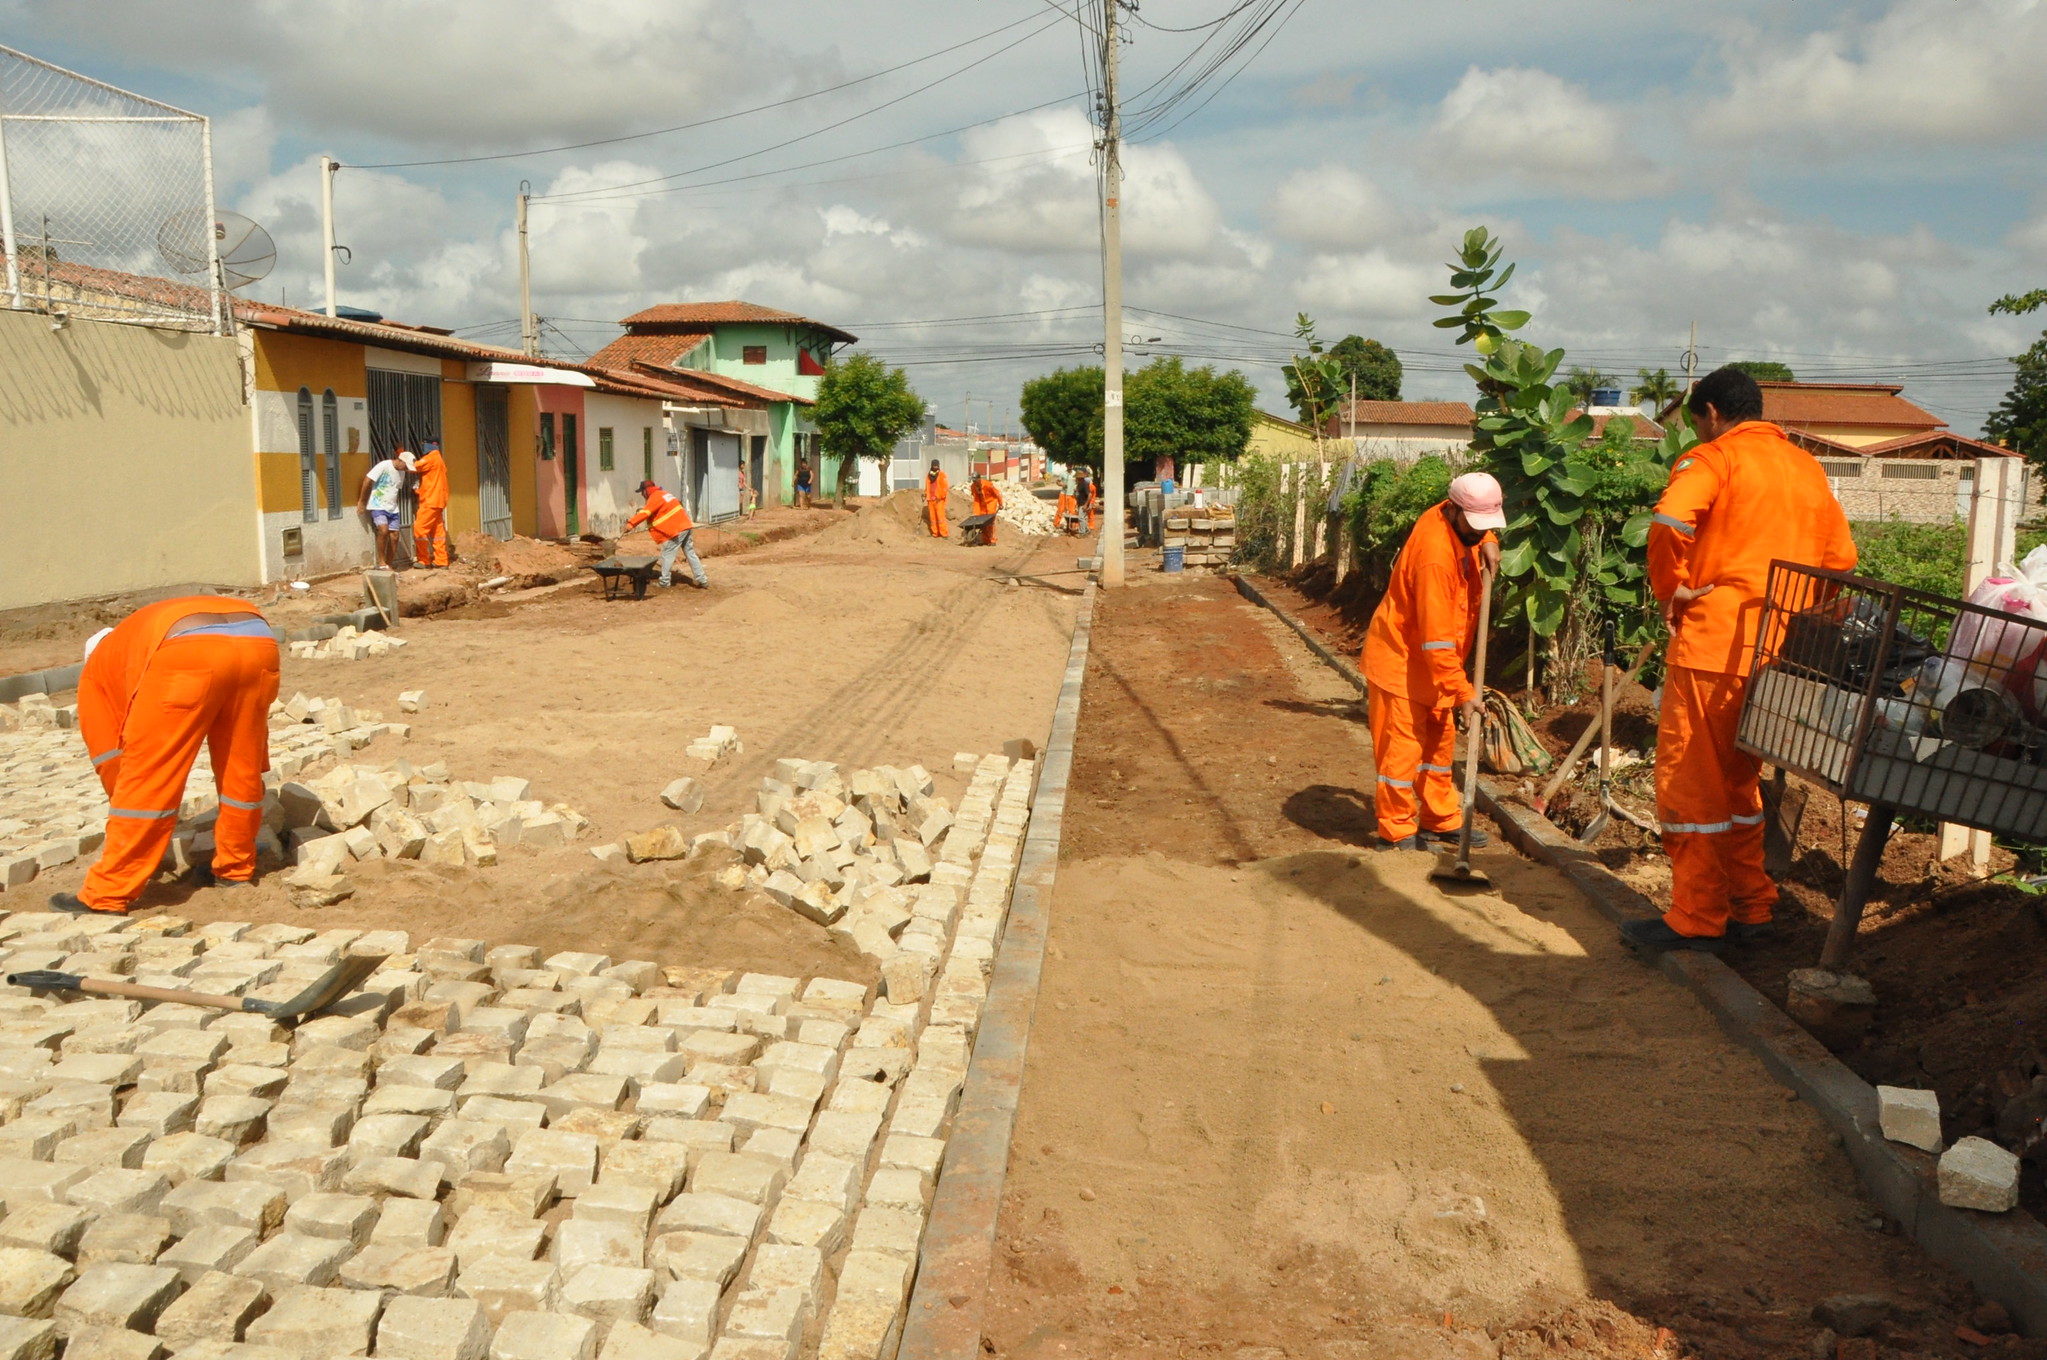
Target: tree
<point>1658,388</point>
<point>1319,381</point>
<point>1764,370</point>
<point>863,409</point>
<point>1376,368</point>
<point>1194,415</point>
<point>1583,382</point>
<point>2020,420</point>
<point>1059,411</point>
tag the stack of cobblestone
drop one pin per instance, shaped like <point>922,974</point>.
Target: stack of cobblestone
<point>53,810</point>
<point>495,1155</point>
<point>347,645</point>
<point>1025,512</point>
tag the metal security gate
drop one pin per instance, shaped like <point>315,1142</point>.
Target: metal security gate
<point>405,412</point>
<point>494,460</point>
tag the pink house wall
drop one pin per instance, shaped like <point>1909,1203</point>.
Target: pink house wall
<point>550,500</point>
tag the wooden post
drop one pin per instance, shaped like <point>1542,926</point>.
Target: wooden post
<point>1994,509</point>
<point>1300,512</point>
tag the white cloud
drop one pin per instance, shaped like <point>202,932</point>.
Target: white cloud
<point>1335,208</point>
<point>1932,72</point>
<point>1535,131</point>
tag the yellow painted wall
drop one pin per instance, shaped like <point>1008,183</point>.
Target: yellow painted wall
<point>458,450</point>
<point>1858,436</point>
<point>126,452</point>
<point>1279,439</point>
<point>283,364</point>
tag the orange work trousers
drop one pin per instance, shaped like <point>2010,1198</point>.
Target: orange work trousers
<point>1093,517</point>
<point>215,690</point>
<point>934,519</point>
<point>1414,749</point>
<point>430,536</point>
<point>1711,806</point>
<point>1067,514</point>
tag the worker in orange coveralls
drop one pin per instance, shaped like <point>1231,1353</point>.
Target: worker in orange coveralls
<point>672,529</point>
<point>1090,498</point>
<point>936,489</point>
<point>165,679</point>
<point>430,521</point>
<point>1745,496</point>
<point>987,501</point>
<point>1414,654</point>
<point>1069,506</point>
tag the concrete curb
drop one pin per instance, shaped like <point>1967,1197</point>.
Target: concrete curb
<point>53,681</point>
<point>2003,1255</point>
<point>949,1301</point>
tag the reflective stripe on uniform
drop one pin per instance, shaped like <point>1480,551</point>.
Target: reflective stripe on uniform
<point>140,814</point>
<point>1436,769</point>
<point>238,803</point>
<point>1397,783</point>
<point>1711,828</point>
<point>1439,646</point>
<point>661,517</point>
<point>1667,522</point>
<point>98,761</point>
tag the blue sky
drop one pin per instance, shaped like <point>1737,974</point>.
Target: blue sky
<point>1843,186</point>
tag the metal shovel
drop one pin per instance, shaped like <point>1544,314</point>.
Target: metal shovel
<point>338,981</point>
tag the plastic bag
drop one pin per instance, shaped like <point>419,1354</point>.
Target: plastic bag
<point>2002,653</point>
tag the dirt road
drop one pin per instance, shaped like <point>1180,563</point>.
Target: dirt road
<point>1285,1093</point>
<point>867,644</point>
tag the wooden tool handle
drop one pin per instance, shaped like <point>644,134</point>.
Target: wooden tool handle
<point>1556,781</point>
<point>1474,739</point>
<point>107,987</point>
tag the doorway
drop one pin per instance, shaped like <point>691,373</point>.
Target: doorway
<point>572,474</point>
<point>405,413</point>
<point>757,468</point>
<point>494,460</point>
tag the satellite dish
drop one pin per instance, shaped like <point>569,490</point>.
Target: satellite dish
<point>246,251</point>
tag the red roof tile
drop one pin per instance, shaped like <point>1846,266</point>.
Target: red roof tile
<point>1867,405</point>
<point>704,314</point>
<point>1398,413</point>
<point>660,349</point>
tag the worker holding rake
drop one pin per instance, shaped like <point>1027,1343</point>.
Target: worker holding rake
<point>168,678</point>
<point>1744,497</point>
<point>1414,660</point>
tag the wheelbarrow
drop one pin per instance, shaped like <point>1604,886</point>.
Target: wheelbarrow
<point>619,572</point>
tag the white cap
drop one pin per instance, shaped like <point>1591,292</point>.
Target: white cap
<point>95,641</point>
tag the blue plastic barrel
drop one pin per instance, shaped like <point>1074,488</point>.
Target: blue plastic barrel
<point>1175,560</point>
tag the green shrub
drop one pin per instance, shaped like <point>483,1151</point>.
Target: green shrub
<point>1930,557</point>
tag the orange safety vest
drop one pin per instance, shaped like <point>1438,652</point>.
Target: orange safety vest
<point>668,518</point>
<point>433,481</point>
<point>987,500</point>
<point>112,674</point>
<point>1734,505</point>
<point>1425,625</point>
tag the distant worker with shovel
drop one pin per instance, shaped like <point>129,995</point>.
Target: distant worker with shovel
<point>673,531</point>
<point>936,489</point>
<point>987,501</point>
<point>430,521</point>
<point>1414,660</point>
<point>166,679</point>
<point>1745,496</point>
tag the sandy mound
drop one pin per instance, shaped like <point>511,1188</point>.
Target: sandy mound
<point>528,561</point>
<point>753,609</point>
<point>893,522</point>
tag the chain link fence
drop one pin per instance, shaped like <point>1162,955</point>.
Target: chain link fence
<point>106,201</point>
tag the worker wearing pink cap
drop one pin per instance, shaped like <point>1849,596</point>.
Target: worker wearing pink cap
<point>1414,661</point>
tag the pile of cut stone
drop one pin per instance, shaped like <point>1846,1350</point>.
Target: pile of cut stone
<point>715,745</point>
<point>883,863</point>
<point>397,811</point>
<point>53,810</point>
<point>1023,510</point>
<point>347,645</point>
<point>498,1154</point>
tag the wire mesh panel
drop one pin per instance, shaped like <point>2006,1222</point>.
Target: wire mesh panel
<point>1892,696</point>
<point>106,200</point>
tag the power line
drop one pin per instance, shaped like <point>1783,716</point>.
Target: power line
<point>705,122</point>
<point>806,136</point>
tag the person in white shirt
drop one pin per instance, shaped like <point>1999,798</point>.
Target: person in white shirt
<point>378,499</point>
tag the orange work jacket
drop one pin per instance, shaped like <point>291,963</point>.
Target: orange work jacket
<point>663,515</point>
<point>936,489</point>
<point>1425,625</point>
<point>433,481</point>
<point>987,500</point>
<point>107,684</point>
<point>1733,505</point>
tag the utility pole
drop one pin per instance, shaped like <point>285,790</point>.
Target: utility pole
<point>529,328</point>
<point>1112,305</point>
<point>1691,358</point>
<point>328,165</point>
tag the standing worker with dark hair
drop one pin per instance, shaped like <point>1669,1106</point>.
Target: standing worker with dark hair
<point>168,678</point>
<point>1416,688</point>
<point>430,524</point>
<point>378,501</point>
<point>1745,496</point>
<point>672,529</point>
<point>936,489</point>
<point>803,482</point>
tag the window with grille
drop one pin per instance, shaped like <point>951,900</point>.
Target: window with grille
<point>547,436</point>
<point>1912,472</point>
<point>604,448</point>
<point>330,435</point>
<point>309,484</point>
<point>647,452</point>
<point>753,354</point>
<point>1836,468</point>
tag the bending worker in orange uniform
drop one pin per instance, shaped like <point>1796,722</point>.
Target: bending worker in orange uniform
<point>673,530</point>
<point>936,489</point>
<point>1745,496</point>
<point>166,678</point>
<point>1414,664</point>
<point>430,521</point>
<point>987,501</point>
